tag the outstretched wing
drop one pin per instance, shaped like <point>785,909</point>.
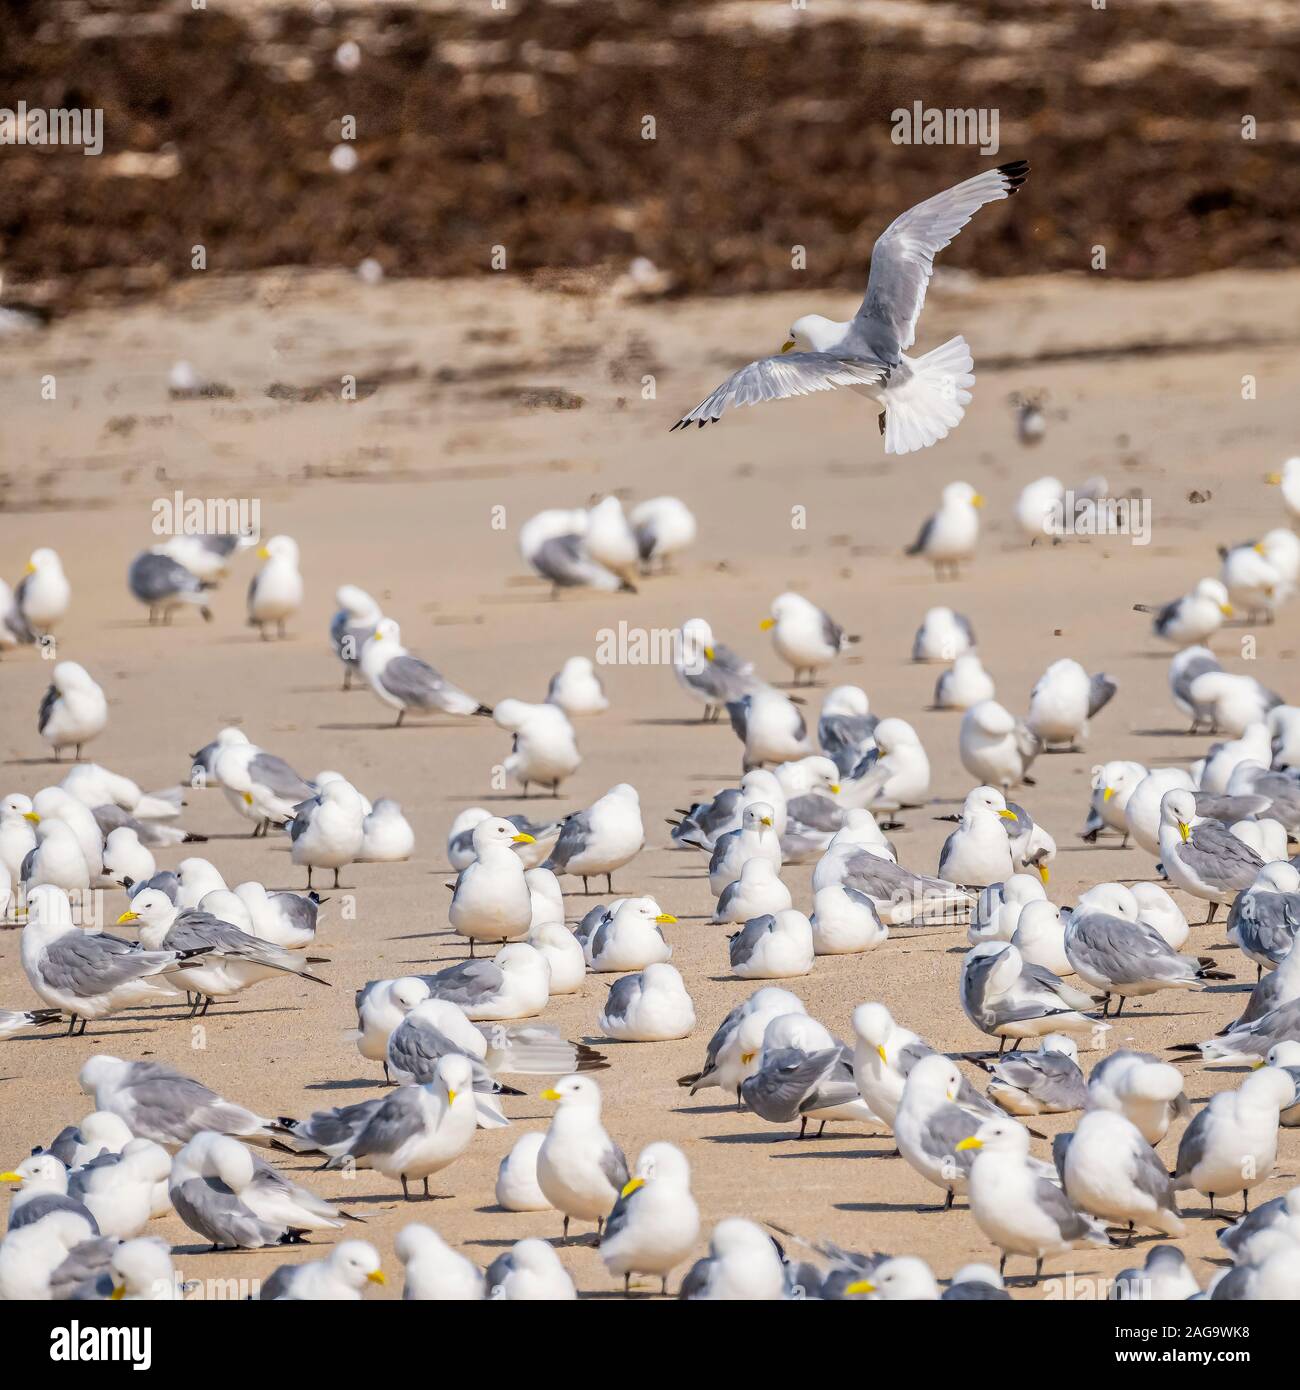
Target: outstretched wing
<point>902,260</point>
<point>791,374</point>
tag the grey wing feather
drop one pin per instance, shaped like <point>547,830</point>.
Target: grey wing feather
<point>922,540</point>
<point>48,701</point>
<point>1101,690</point>
<point>787,1077</point>
<point>1191,1147</point>
<point>791,374</point>
<point>1218,856</point>
<point>741,946</point>
<point>946,1127</point>
<point>1152,1177</point>
<point>817,812</point>
<point>398,1119</point>
<point>573,839</point>
<point>698,1280</point>
<point>466,984</point>
<point>1056,1205</point>
<point>279,1285</point>
<point>208,1206</point>
<point>613,1164</point>
<point>622,994</point>
<point>84,1274</point>
<point>902,259</point>
<point>43,1204</point>
<point>279,778</point>
<point>832,632</point>
<point>95,963</point>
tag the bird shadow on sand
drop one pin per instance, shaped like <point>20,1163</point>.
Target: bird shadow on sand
<point>388,1199</point>
<point>1162,733</point>
<point>881,1208</point>
<point>355,1083</point>
<point>367,727</point>
<point>767,1139</point>
<point>811,1150</point>
<point>705,1110</point>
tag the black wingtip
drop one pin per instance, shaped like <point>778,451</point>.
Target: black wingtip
<point>1015,174</point>
<point>484,710</point>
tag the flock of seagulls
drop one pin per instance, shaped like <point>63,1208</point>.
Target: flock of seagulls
<point>450,1050</point>
<point>1046,978</point>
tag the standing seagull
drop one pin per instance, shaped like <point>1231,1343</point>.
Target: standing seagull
<point>275,593</point>
<point>73,711</point>
<point>407,683</point>
<point>922,398</point>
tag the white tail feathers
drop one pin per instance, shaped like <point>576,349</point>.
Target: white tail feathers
<point>931,401</point>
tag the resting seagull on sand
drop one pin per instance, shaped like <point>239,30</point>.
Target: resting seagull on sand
<point>922,398</point>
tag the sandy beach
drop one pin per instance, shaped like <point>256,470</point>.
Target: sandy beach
<point>479,402</point>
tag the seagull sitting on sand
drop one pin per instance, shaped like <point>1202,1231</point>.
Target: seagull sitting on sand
<point>921,398</point>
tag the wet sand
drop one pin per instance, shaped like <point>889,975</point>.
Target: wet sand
<point>395,492</point>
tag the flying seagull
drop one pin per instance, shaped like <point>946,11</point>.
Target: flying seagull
<point>922,397</point>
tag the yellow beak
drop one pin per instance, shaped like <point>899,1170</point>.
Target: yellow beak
<point>376,1276</point>
<point>765,820</point>
<point>1274,478</point>
<point>747,1057</point>
<point>766,624</point>
<point>522,839</point>
<point>1184,830</point>
<point>708,653</point>
<point>977,500</point>
<point>1043,873</point>
<point>248,798</point>
<point>1226,609</point>
<point>550,1093</point>
<point>880,1050</point>
<point>835,789</point>
<point>1108,793</point>
<point>119,1291</point>
<point>263,553</point>
<point>860,1286</point>
<point>666,917</point>
<point>376,636</point>
<point>11,1177</point>
<point>1257,1063</point>
<point>631,1186</point>
<point>787,345</point>
<point>1258,548</point>
<point>970,1142</point>
<point>32,816</point>
<point>128,916</point>
<point>31,568</point>
<point>451,1095</point>
<point>1008,815</point>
